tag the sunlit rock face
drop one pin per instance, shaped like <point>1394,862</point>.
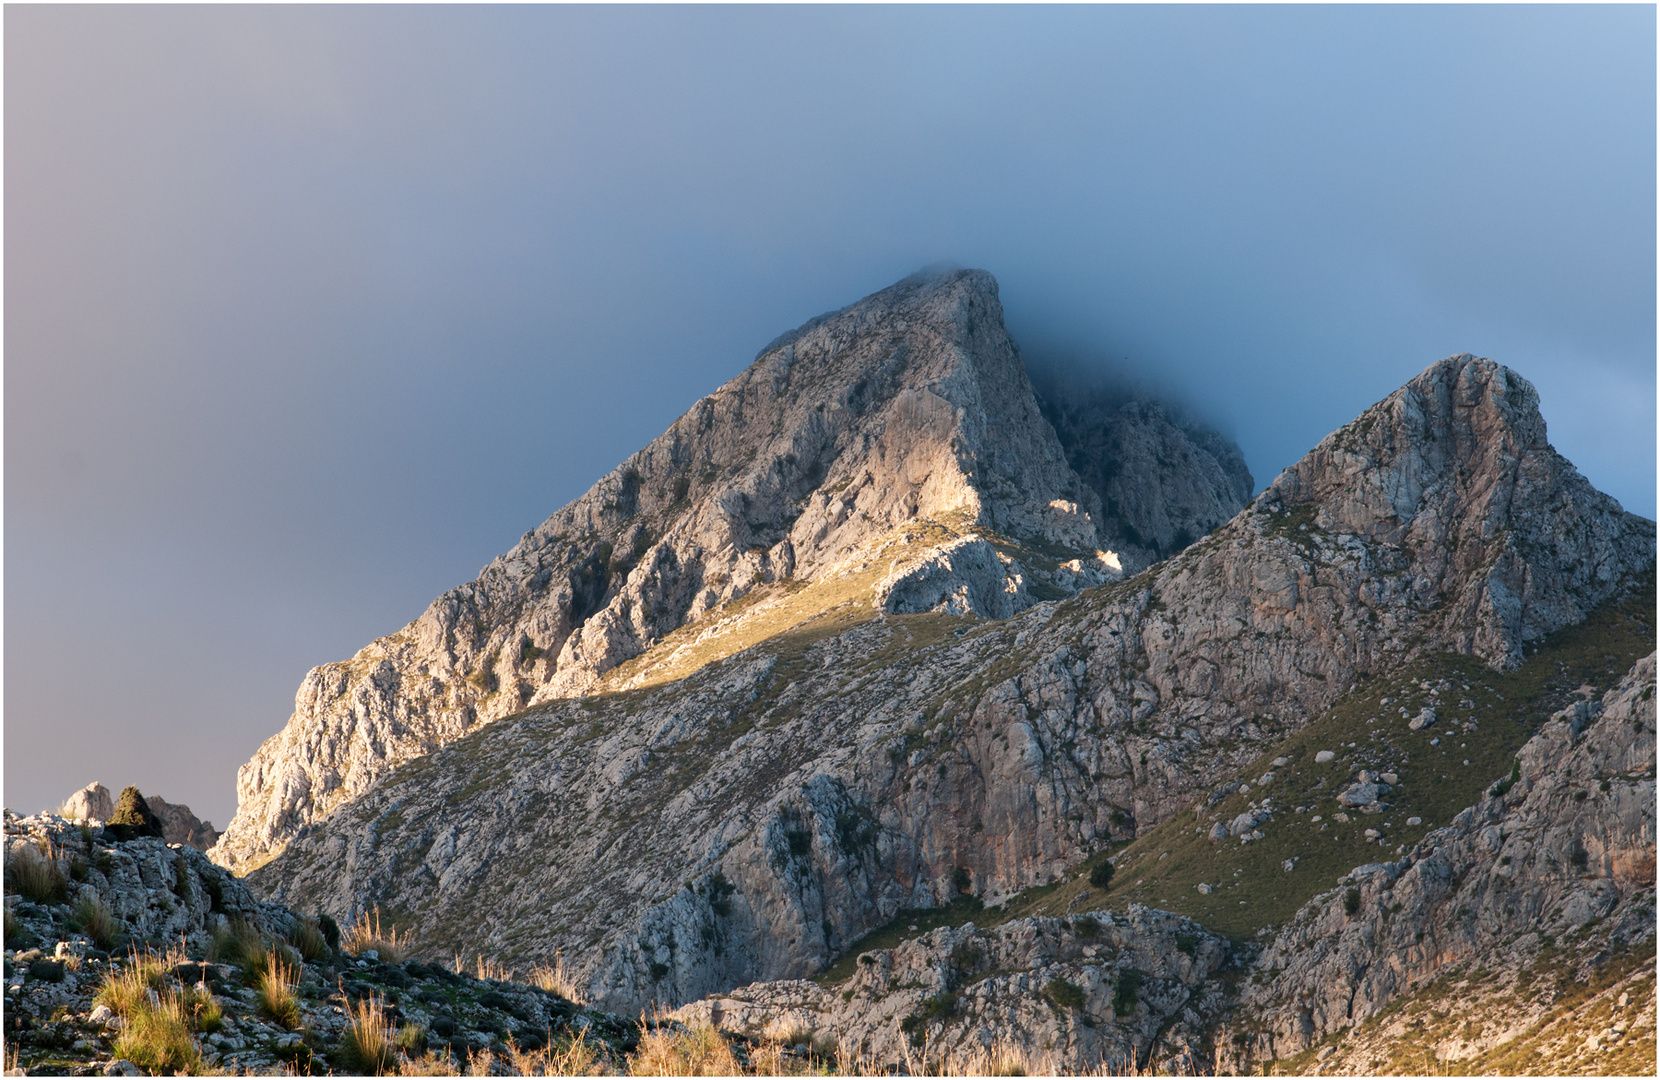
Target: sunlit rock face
<point>911,406</point>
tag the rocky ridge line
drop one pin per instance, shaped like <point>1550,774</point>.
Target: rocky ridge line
<point>754,820</point>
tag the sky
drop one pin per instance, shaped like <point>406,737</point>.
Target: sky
<point>310,311</point>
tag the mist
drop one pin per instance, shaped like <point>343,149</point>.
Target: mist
<point>311,311</point>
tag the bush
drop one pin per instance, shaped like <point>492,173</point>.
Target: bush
<point>1124,995</point>
<point>133,816</point>
<point>1101,875</point>
<point>1064,995</point>
<point>330,929</point>
<point>1510,781</point>
<point>962,880</point>
<point>1187,941</point>
<point>36,876</point>
<point>1351,901</point>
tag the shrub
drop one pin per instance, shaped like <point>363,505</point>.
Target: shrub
<point>308,940</point>
<point>1124,994</point>
<point>276,994</point>
<point>1508,782</point>
<point>658,970</point>
<point>330,929</point>
<point>366,1046</point>
<point>962,880</point>
<point>1063,994</point>
<point>36,876</point>
<point>1351,901</point>
<point>369,933</point>
<point>1101,875</point>
<point>528,651</point>
<point>133,816</point>
<point>96,920</point>
<point>1187,941</point>
<point>484,676</point>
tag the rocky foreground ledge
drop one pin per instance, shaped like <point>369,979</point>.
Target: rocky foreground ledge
<point>126,958</point>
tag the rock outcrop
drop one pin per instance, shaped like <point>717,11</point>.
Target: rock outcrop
<point>911,404</point>
<point>1567,845</point>
<point>103,909</point>
<point>1129,993</point>
<point>94,803</point>
<point>1162,483</point>
<point>752,820</point>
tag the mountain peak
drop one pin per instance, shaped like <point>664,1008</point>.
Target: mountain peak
<point>889,456</point>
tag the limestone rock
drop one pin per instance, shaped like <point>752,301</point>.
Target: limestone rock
<point>1162,484</point>
<point>1570,844</point>
<point>911,404</point>
<point>180,826</point>
<point>753,819</point>
<point>1046,985</point>
<point>91,803</point>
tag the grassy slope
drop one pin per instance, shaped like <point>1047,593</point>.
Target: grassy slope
<point>1164,867</point>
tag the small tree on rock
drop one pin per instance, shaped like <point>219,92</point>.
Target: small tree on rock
<point>133,816</point>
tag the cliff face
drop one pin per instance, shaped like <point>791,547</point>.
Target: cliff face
<point>909,406</point>
<point>755,818</point>
<point>1162,484</point>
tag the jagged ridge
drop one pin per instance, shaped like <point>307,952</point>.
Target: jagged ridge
<point>757,818</point>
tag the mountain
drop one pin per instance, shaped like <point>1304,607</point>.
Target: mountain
<point>901,433</point>
<point>919,684</point>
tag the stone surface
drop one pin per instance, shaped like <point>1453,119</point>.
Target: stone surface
<point>91,803</point>
<point>1049,985</point>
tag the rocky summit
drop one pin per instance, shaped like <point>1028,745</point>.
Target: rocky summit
<point>887,715</point>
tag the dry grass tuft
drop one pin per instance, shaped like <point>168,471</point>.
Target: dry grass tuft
<point>490,969</point>
<point>36,875</point>
<point>277,999</point>
<point>308,940</point>
<point>368,934</point>
<point>96,919</point>
<point>366,1046</point>
<point>556,980</point>
<point>161,1018</point>
<point>673,1049</point>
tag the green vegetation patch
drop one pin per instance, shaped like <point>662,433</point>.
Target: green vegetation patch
<point>1251,889</point>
